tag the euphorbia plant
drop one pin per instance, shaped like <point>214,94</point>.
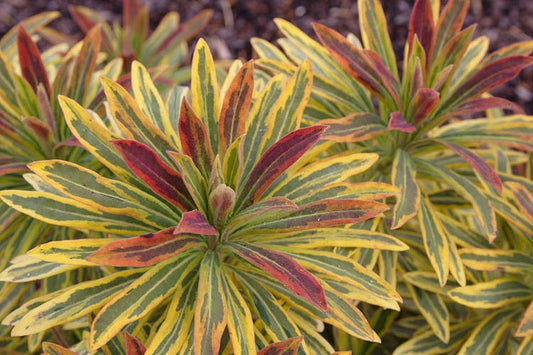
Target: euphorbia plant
<point>223,218</point>
<point>445,165</point>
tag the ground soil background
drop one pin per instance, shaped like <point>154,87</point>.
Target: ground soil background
<point>236,21</point>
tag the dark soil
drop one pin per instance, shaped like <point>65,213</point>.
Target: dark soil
<point>236,21</point>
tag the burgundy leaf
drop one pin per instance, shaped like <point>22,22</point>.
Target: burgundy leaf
<point>278,158</point>
<point>285,269</point>
<point>285,347</point>
<point>232,122</point>
<point>398,123</point>
<point>31,65</point>
<point>484,170</point>
<point>195,139</point>
<point>145,250</point>
<point>481,104</point>
<point>422,25</point>
<point>133,345</point>
<point>11,168</point>
<point>194,222</point>
<point>423,103</point>
<point>490,76</point>
<point>150,168</point>
<point>41,129</point>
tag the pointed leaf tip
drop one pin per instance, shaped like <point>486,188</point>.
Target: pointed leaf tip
<point>194,222</point>
<point>286,347</point>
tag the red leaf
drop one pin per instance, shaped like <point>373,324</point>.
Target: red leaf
<point>285,347</point>
<point>10,168</point>
<point>194,222</point>
<point>130,11</point>
<point>278,158</point>
<point>133,345</point>
<point>398,123</point>
<point>195,139</point>
<point>285,270</point>
<point>232,122</point>
<point>82,20</point>
<point>31,65</point>
<point>485,170</point>
<point>41,129</point>
<point>145,250</point>
<point>161,178</point>
<point>422,25</point>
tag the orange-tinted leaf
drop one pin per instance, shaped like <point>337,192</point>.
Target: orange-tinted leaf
<point>278,158</point>
<point>449,23</point>
<point>31,65</point>
<point>187,30</point>
<point>285,347</point>
<point>133,345</point>
<point>195,139</point>
<point>285,270</point>
<point>145,250</point>
<point>235,107</point>
<point>194,222</point>
<point>150,168</point>
<point>54,349</point>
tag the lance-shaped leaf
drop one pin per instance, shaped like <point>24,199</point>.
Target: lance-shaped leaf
<point>150,101</point>
<point>94,137</point>
<point>84,65</point>
<point>512,261</point>
<point>159,176</point>
<point>141,296</point>
<point>194,222</point>
<point>240,322</point>
<point>317,214</point>
<point>62,211</point>
<point>284,269</point>
<point>174,332</point>
<point>31,64</point>
<point>205,92</point>
<point>355,127</point>
<point>145,250</point>
<point>211,312</point>
<point>54,349</point>
<point>363,65</point>
<point>422,26</point>
<point>448,24</point>
<point>490,76</point>
<point>486,337</point>
<point>398,123</point>
<point>434,311</point>
<point>374,32</point>
<point>423,103</point>
<point>132,121</point>
<point>285,347</point>
<point>195,140</point>
<point>484,170</point>
<point>133,345</point>
<point>481,104</point>
<point>74,302</point>
<point>435,240</point>
<point>404,177</point>
<point>523,197</point>
<point>70,252</point>
<point>278,158</point>
<point>481,204</point>
<point>193,179</point>
<point>343,314</point>
<point>525,328</point>
<point>108,195</point>
<point>492,294</point>
<point>26,268</point>
<point>232,122</point>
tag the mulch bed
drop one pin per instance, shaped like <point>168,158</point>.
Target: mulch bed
<point>235,22</point>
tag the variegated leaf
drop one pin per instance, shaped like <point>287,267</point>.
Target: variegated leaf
<point>285,347</point>
<point>404,178</point>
